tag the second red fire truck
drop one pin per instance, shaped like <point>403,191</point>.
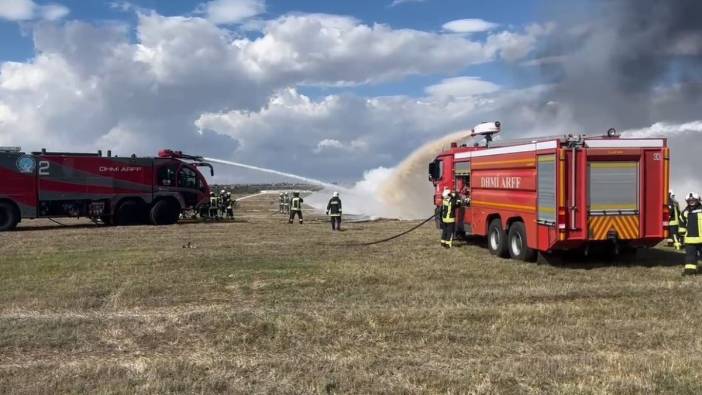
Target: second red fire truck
<point>557,193</point>
<point>114,190</point>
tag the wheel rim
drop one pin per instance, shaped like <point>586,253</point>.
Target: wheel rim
<point>517,244</point>
<point>494,240</point>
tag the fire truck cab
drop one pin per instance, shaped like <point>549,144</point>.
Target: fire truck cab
<point>114,190</point>
<point>557,193</point>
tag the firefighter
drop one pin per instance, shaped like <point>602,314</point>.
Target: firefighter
<point>203,211</point>
<point>281,203</point>
<point>448,217</point>
<point>221,208</point>
<point>230,206</point>
<point>227,211</point>
<point>286,204</point>
<point>674,221</point>
<point>691,227</point>
<point>296,207</point>
<point>334,211</point>
<point>213,206</point>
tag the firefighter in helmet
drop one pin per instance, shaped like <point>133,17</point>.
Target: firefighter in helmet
<point>230,206</point>
<point>281,203</point>
<point>213,206</point>
<point>674,221</point>
<point>296,207</point>
<point>334,211</point>
<point>448,217</point>
<point>221,203</point>
<point>691,227</point>
<point>227,205</point>
<point>286,203</point>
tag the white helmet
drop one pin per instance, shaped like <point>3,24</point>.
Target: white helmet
<point>671,193</point>
<point>445,193</point>
<point>335,194</point>
<point>222,191</point>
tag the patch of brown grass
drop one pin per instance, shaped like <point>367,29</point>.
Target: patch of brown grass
<point>262,306</point>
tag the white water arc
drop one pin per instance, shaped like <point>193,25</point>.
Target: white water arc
<point>276,172</point>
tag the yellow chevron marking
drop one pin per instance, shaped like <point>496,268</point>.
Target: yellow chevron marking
<point>625,206</point>
<point>626,226</point>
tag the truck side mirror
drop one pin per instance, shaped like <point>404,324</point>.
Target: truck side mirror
<point>203,164</point>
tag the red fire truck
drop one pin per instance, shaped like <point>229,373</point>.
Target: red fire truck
<point>114,190</point>
<point>557,193</point>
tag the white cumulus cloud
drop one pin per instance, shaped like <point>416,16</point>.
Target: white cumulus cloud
<point>331,49</point>
<point>471,25</point>
<point>665,129</point>
<point>400,2</point>
<point>232,11</point>
<point>461,87</point>
<point>514,46</point>
<point>53,12</point>
<point>23,10</point>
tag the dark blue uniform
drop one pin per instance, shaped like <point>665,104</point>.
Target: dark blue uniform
<point>334,211</point>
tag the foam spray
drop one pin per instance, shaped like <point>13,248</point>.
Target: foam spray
<point>401,192</point>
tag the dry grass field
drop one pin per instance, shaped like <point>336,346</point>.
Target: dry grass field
<point>260,306</point>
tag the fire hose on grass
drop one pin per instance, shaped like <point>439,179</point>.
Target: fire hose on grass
<point>395,236</point>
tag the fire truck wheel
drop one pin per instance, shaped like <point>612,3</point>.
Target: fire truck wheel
<point>517,243</point>
<point>129,213</point>
<point>8,216</point>
<point>497,239</point>
<point>164,212</point>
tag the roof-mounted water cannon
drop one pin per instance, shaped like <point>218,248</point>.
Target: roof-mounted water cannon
<point>612,133</point>
<point>167,153</point>
<point>487,130</point>
<point>197,160</point>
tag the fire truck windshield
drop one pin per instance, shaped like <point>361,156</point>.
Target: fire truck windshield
<point>187,178</point>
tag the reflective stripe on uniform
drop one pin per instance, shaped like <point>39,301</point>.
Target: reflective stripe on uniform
<point>693,226</point>
<point>448,216</point>
<point>674,215</point>
<point>296,203</point>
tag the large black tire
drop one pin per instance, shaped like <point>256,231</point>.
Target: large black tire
<point>497,239</point>
<point>164,212</point>
<point>517,243</point>
<point>9,217</point>
<point>130,213</point>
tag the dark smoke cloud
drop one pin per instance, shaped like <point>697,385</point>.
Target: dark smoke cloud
<point>628,63</point>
